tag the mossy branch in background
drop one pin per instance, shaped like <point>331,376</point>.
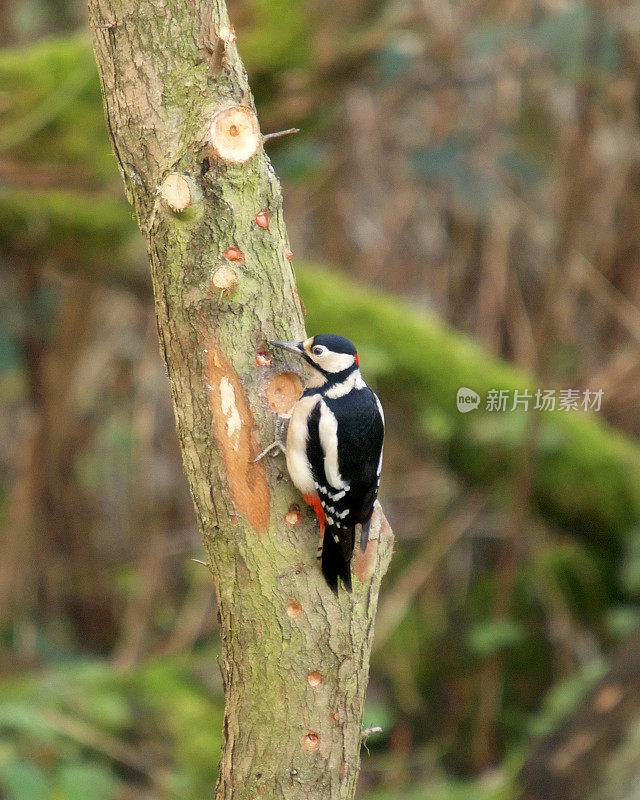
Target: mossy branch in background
<point>587,475</point>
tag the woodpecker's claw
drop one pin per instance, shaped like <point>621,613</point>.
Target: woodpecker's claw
<point>277,442</point>
<point>277,445</point>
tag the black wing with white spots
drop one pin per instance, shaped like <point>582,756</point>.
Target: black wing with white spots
<point>345,453</point>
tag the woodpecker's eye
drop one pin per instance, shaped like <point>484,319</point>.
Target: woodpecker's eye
<point>318,350</point>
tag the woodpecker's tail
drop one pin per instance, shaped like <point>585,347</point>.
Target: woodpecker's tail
<point>335,553</point>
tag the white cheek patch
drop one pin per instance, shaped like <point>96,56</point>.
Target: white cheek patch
<point>334,362</point>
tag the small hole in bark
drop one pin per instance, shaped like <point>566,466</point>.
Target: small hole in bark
<point>294,609</point>
<point>311,740</point>
<point>315,679</point>
<point>262,358</point>
<point>205,167</point>
<point>283,391</point>
<point>293,516</point>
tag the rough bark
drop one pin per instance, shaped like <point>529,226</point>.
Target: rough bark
<point>295,659</point>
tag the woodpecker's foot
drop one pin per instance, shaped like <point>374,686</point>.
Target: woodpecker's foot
<point>277,444</point>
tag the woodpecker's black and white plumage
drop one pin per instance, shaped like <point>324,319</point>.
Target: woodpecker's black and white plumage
<point>334,448</point>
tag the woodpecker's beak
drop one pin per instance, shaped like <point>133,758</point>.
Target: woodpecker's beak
<point>294,347</point>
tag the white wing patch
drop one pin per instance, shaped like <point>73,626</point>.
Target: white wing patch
<point>328,430</point>
<point>379,469</point>
<point>380,408</point>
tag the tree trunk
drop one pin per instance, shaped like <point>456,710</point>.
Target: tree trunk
<point>295,659</point>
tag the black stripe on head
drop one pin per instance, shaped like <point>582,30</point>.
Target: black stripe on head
<point>334,377</point>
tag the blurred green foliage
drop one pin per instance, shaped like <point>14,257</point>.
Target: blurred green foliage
<point>83,731</point>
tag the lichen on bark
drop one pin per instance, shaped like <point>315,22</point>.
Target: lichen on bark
<point>168,70</point>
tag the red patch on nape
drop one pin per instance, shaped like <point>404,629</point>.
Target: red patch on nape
<point>314,501</point>
<point>357,358</point>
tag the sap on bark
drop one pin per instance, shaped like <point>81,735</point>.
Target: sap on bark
<point>234,135</point>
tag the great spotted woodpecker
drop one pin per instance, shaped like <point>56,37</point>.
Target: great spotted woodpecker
<point>334,448</point>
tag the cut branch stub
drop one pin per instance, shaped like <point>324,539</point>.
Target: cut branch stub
<point>311,741</point>
<point>293,516</point>
<point>315,679</point>
<point>176,192</point>
<point>234,136</point>
<point>294,609</point>
<point>283,391</point>
<point>234,254</point>
<point>224,279</point>
<point>262,218</point>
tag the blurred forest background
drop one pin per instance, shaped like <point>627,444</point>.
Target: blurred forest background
<point>463,201</point>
